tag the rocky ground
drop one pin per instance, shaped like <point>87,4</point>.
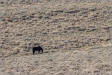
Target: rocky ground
<point>76,36</point>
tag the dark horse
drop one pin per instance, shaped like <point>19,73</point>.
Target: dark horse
<point>39,49</point>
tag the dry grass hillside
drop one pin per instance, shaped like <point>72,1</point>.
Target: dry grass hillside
<point>75,35</point>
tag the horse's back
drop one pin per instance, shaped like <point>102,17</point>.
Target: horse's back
<point>37,48</point>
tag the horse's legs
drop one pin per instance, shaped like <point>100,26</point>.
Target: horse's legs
<point>42,50</point>
<point>33,51</point>
<point>38,51</point>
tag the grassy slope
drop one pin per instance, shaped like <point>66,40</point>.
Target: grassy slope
<point>62,29</point>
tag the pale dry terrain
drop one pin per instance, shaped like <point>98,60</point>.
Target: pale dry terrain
<point>76,36</point>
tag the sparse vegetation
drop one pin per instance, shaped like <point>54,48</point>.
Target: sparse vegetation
<point>76,36</point>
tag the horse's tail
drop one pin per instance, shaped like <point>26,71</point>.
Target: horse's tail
<point>33,51</point>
